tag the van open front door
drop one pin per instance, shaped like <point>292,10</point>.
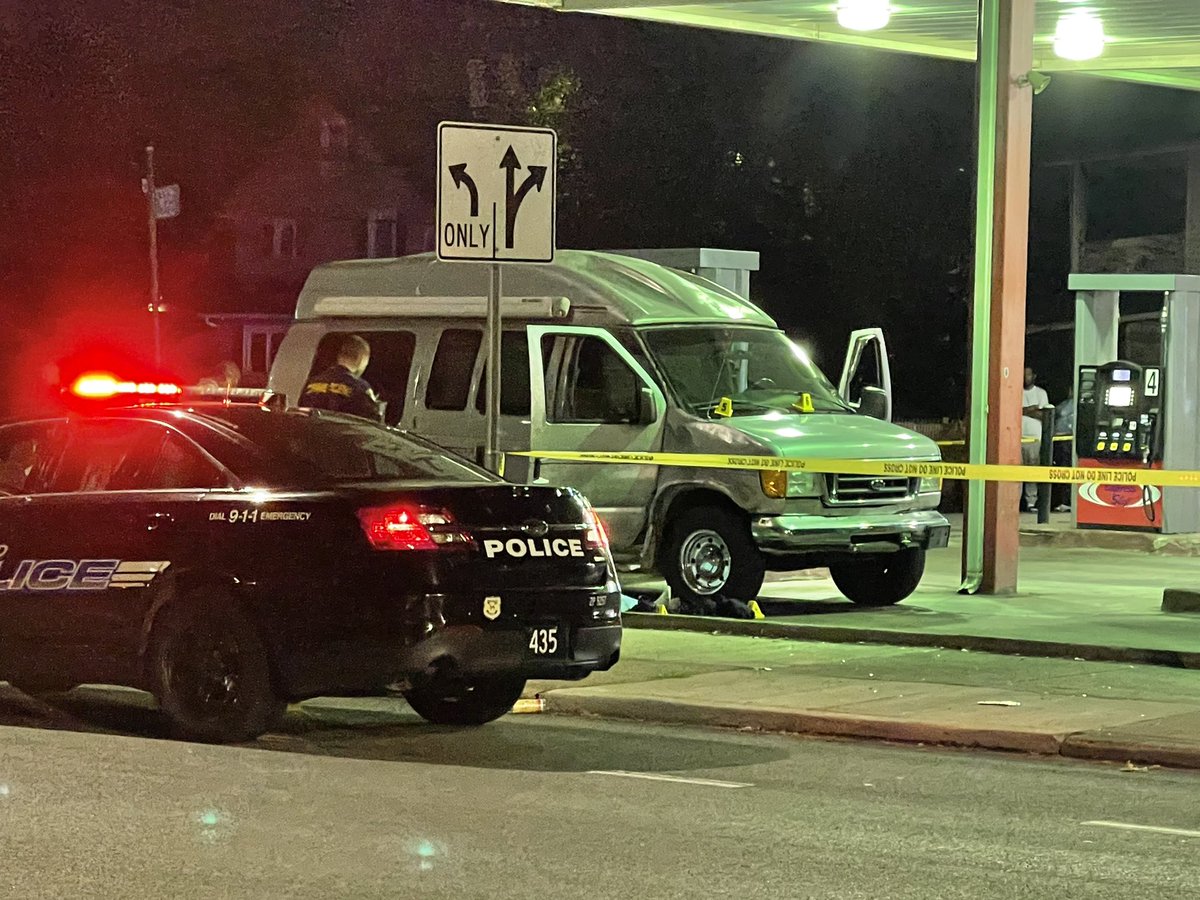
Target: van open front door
<point>866,382</point>
<point>589,393</point>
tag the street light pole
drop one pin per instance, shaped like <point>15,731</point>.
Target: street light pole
<point>152,220</point>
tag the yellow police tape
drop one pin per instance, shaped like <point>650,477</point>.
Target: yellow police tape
<point>951,471</point>
<point>1058,439</point>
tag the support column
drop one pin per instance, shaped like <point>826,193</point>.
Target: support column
<point>1079,195</point>
<point>1191,238</point>
<point>1001,265</point>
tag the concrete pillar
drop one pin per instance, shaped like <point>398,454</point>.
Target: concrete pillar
<point>1191,243</point>
<point>1010,267</point>
<point>1079,195</point>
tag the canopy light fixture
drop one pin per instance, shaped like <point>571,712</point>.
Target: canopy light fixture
<point>863,15</point>
<point>1079,35</point>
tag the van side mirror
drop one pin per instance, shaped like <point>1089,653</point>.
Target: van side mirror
<point>874,402</point>
<point>647,413</point>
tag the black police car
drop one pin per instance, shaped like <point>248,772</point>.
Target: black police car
<point>229,558</point>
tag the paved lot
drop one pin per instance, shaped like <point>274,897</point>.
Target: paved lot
<point>529,807</point>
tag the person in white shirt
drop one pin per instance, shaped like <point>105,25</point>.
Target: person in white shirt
<point>1034,400</point>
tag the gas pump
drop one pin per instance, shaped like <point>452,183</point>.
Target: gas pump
<point>1117,425</point>
<point>1133,416</point>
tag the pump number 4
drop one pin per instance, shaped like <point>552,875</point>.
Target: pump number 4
<point>544,641</point>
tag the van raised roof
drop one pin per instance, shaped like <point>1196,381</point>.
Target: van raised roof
<point>632,291</point>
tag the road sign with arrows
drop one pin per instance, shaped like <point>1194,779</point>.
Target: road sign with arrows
<point>496,193</point>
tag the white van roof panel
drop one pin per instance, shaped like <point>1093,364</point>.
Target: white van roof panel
<point>632,291</point>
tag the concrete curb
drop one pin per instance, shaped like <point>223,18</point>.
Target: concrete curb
<point>576,702</point>
<point>1177,659</point>
<point>1097,539</point>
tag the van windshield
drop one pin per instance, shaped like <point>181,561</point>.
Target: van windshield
<point>758,369</point>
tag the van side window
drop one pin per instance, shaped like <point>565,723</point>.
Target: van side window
<point>388,371</point>
<point>514,376</point>
<point>588,382</point>
<point>453,366</point>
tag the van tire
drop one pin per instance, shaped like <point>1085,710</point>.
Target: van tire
<point>209,671</point>
<point>880,580</point>
<point>708,553</point>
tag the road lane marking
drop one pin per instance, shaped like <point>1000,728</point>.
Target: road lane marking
<point>1155,829</point>
<point>677,779</point>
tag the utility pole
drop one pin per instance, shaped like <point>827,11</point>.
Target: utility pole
<point>152,219</point>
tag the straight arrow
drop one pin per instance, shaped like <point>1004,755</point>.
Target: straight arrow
<point>515,196</point>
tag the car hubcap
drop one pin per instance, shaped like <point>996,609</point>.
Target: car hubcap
<point>208,676</point>
<point>704,562</point>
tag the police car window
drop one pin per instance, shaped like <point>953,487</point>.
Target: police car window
<point>113,455</point>
<point>180,465</point>
<point>514,377</point>
<point>337,449</point>
<point>388,371</point>
<point>26,452</point>
<point>588,382</point>
<point>453,365</point>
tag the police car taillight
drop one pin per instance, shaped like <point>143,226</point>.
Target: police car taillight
<point>101,386</point>
<point>596,535</point>
<point>410,528</point>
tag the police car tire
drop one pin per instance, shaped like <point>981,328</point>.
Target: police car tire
<point>747,571</point>
<point>881,580</point>
<point>449,700</point>
<point>178,629</point>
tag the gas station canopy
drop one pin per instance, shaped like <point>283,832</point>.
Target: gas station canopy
<point>1145,41</point>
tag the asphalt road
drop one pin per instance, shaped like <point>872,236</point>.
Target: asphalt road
<point>93,804</point>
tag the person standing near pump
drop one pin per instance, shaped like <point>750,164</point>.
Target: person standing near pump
<point>341,388</point>
<point>1034,400</point>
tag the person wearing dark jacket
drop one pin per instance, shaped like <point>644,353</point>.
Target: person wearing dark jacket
<point>341,387</point>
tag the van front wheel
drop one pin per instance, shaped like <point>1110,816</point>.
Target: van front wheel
<point>708,553</point>
<point>880,580</point>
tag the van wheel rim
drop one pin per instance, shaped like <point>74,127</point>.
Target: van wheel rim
<point>705,562</point>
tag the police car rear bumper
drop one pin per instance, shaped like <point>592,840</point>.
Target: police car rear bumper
<point>475,650</point>
<point>866,533</point>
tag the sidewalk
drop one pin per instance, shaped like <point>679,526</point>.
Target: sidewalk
<point>1070,708</point>
<point>1093,604</point>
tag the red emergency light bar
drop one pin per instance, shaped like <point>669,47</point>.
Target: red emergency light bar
<point>102,386</point>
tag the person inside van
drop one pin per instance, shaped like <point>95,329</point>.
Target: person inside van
<point>341,388</point>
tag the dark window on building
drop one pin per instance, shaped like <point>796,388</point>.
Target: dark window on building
<point>453,365</point>
<point>258,353</point>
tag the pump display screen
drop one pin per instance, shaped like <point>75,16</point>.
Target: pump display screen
<point>1120,375</point>
<point>1119,395</point>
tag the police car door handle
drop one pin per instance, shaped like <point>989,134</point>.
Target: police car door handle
<point>158,519</point>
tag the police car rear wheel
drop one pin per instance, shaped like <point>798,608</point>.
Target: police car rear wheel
<point>881,580</point>
<point>210,674</point>
<point>446,699</point>
<point>709,553</point>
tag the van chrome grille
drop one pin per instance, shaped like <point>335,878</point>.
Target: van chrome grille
<point>868,490</point>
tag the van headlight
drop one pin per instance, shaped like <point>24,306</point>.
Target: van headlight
<point>930,486</point>
<point>781,484</point>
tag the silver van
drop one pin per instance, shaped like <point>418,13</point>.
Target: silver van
<point>615,353</point>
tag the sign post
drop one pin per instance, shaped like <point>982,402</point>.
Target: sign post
<point>496,204</point>
<point>161,203</point>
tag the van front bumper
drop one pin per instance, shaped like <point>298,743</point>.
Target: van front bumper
<point>866,533</point>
